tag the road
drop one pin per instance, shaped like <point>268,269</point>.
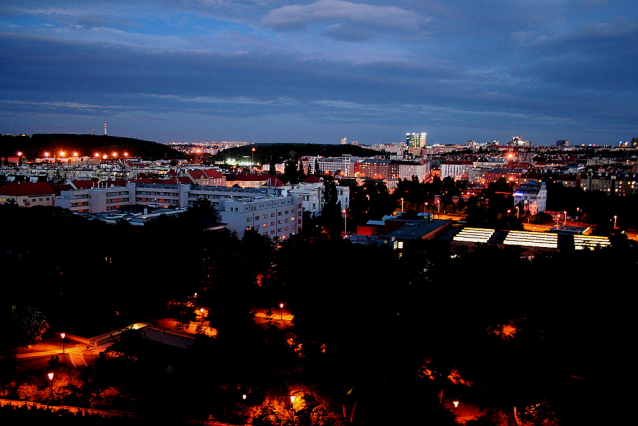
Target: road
<point>38,356</point>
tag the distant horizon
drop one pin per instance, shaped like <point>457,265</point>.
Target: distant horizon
<point>501,142</point>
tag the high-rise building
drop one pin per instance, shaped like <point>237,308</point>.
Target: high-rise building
<point>344,141</point>
<point>415,140</point>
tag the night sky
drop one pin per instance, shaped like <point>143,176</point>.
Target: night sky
<point>316,71</point>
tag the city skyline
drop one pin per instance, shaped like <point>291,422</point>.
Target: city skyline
<point>319,71</point>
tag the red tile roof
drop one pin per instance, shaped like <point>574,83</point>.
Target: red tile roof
<point>84,183</point>
<point>23,189</point>
<point>312,179</point>
<point>274,181</point>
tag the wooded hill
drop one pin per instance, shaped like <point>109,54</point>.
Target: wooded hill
<point>278,153</point>
<point>85,145</point>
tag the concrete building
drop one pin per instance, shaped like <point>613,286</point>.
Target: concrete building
<point>373,168</point>
<point>265,210</point>
<point>28,194</point>
<point>275,217</point>
<point>531,198</point>
<point>406,170</point>
<point>310,193</point>
<point>457,170</point>
<point>343,166</point>
<point>610,183</point>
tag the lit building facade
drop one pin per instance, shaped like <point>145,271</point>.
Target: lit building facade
<point>415,140</point>
<point>531,198</point>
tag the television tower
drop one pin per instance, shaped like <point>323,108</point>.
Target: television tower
<point>104,129</point>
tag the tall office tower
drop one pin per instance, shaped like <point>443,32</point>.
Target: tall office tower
<point>415,140</point>
<point>562,143</point>
<point>344,141</point>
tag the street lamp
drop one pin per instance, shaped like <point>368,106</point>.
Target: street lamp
<point>577,213</point>
<point>281,311</point>
<point>402,210</point>
<point>565,221</point>
<point>50,376</point>
<point>345,222</point>
<point>615,221</point>
<point>62,335</point>
<point>201,311</point>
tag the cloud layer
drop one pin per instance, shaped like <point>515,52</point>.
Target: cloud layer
<point>316,71</point>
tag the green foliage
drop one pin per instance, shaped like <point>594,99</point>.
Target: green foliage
<point>330,219</point>
<point>22,326</point>
<point>370,201</point>
<point>202,209</point>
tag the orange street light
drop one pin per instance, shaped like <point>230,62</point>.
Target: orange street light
<point>50,376</point>
<point>456,403</point>
<point>281,311</point>
<point>345,222</point>
<point>62,335</point>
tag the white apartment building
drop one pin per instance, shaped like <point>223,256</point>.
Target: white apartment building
<point>95,200</point>
<point>407,169</point>
<point>332,165</point>
<point>240,208</point>
<point>275,217</point>
<point>531,198</point>
<point>457,170</point>
<point>312,198</point>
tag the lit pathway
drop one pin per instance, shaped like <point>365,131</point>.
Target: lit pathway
<point>72,352</point>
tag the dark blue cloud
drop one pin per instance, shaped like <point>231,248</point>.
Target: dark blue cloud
<point>203,69</point>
